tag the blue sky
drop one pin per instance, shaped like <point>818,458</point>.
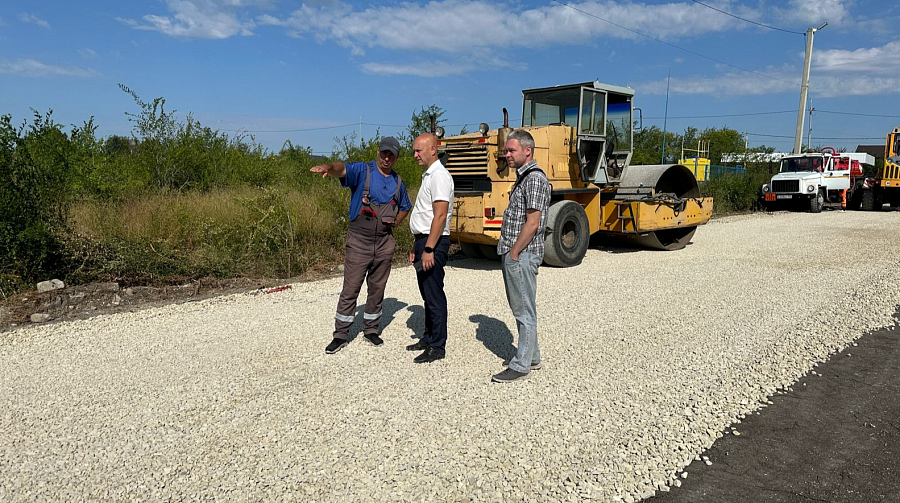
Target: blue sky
<point>285,70</point>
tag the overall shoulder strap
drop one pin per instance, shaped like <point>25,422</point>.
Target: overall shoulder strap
<point>397,192</point>
<point>366,187</point>
<point>522,177</point>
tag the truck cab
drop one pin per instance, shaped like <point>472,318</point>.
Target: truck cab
<point>809,180</point>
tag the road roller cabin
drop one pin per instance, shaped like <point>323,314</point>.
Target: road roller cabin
<point>583,141</point>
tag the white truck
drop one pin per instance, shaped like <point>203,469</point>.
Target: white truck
<point>810,180</point>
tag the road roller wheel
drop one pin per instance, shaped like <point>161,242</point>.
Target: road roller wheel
<point>668,239</point>
<point>568,234</point>
<point>674,181</point>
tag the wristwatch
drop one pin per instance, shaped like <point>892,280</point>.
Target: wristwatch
<point>429,249</point>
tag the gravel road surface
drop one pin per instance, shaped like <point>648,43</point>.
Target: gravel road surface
<point>648,358</point>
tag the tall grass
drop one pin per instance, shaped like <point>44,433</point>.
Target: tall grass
<point>274,232</point>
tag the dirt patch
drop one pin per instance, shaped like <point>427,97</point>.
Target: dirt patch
<point>86,301</point>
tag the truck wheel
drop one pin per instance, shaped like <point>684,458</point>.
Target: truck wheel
<point>854,200</point>
<point>868,200</point>
<point>816,203</point>
<point>568,234</point>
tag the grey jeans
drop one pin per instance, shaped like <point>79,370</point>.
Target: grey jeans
<point>520,280</point>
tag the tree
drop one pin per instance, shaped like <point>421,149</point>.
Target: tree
<point>421,123</point>
<point>648,146</point>
<point>723,141</point>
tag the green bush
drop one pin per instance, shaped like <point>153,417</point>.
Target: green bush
<point>737,192</point>
<point>34,197</point>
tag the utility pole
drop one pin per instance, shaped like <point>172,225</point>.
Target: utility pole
<point>360,131</point>
<point>666,118</point>
<point>804,87</point>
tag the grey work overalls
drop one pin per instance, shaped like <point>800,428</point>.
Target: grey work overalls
<point>369,250</point>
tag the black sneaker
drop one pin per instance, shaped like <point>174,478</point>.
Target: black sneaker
<point>509,375</point>
<point>429,355</point>
<point>374,339</point>
<point>335,346</point>
<point>417,346</point>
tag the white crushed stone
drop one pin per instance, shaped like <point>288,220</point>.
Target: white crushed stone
<point>648,358</point>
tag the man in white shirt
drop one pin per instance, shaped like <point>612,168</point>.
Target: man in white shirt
<point>430,225</point>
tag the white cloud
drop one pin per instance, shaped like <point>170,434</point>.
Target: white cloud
<point>87,53</point>
<point>866,71</point>
<point>206,19</point>
<point>33,68</point>
<point>430,69</point>
<point>878,60</point>
<point>129,22</point>
<point>32,19</point>
<point>814,12</point>
<point>481,25</point>
<point>727,84</point>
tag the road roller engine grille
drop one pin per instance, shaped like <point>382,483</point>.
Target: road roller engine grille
<point>785,185</point>
<point>468,164</point>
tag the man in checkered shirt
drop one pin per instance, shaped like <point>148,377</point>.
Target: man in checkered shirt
<point>521,249</point>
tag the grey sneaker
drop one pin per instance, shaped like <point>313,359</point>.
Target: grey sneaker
<point>374,339</point>
<point>534,366</point>
<point>509,375</point>
<point>335,346</point>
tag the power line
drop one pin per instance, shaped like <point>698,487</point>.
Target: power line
<point>747,20</point>
<point>289,130</point>
<point>512,121</point>
<point>725,115</point>
<point>672,45</point>
<point>820,137</point>
<point>382,125</point>
<point>856,113</point>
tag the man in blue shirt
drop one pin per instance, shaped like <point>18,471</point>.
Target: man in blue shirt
<point>378,203</point>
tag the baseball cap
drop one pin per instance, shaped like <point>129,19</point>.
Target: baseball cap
<point>389,143</point>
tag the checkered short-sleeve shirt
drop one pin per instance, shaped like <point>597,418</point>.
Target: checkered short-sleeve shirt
<point>532,193</point>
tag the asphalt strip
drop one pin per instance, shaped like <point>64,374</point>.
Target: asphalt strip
<point>834,437</point>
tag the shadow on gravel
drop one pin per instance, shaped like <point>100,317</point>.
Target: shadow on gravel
<point>416,321</point>
<point>474,264</point>
<point>833,437</point>
<point>389,308</point>
<point>495,335</point>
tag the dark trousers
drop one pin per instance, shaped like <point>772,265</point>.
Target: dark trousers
<point>431,286</point>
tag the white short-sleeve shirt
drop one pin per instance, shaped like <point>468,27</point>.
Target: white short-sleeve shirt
<point>437,185</point>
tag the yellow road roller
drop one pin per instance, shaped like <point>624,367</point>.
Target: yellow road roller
<point>583,141</point>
